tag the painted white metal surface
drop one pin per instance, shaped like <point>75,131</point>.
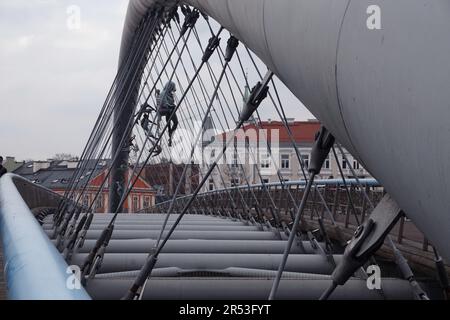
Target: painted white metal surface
<point>34,268</point>
<point>383,93</point>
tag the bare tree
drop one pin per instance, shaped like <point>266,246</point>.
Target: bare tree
<point>64,157</point>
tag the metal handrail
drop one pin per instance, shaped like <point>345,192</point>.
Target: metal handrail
<point>34,269</point>
<point>295,183</point>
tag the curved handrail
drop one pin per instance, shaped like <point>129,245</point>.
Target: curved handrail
<point>302,183</point>
<point>34,269</point>
<point>294,183</point>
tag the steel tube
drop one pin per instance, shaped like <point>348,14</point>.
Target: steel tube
<point>250,289</point>
<point>382,92</point>
<point>134,227</point>
<point>201,246</point>
<point>228,272</point>
<point>212,235</point>
<point>34,269</point>
<point>304,263</point>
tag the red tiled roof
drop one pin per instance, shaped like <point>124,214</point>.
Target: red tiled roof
<point>140,183</point>
<point>302,131</point>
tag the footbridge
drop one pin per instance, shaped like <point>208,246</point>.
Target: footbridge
<point>193,77</point>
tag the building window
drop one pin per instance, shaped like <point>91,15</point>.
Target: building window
<point>285,161</point>
<point>265,160</point>
<point>135,203</point>
<point>266,180</point>
<point>86,200</point>
<point>344,163</point>
<point>355,164</point>
<point>146,202</point>
<point>247,150</point>
<point>305,159</point>
<point>211,184</point>
<point>235,182</point>
<point>99,201</point>
<point>327,163</point>
<point>234,164</point>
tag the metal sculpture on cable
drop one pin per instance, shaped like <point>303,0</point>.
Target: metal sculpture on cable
<point>162,87</point>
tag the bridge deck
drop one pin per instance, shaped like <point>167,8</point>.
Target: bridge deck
<point>190,266</point>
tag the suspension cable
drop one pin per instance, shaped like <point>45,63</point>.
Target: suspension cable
<point>62,229</point>
<point>103,241</point>
<point>146,270</point>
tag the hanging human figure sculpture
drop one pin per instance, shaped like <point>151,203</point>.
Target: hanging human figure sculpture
<point>146,125</point>
<point>166,107</point>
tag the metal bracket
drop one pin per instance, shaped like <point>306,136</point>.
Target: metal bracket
<point>259,93</point>
<point>190,21</point>
<point>213,43</point>
<point>322,146</point>
<point>173,15</point>
<point>232,45</point>
<point>367,239</point>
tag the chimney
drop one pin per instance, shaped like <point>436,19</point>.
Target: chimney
<point>40,165</point>
<point>72,164</point>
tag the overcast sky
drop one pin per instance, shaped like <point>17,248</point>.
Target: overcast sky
<point>53,79</point>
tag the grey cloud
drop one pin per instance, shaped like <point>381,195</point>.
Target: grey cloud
<point>53,81</point>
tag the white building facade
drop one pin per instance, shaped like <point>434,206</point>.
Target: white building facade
<point>253,162</point>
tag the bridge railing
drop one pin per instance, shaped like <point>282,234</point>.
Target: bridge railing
<point>276,201</point>
<point>34,269</point>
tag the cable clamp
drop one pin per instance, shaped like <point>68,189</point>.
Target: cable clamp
<point>322,146</point>
<point>232,45</point>
<point>367,239</point>
<point>190,21</point>
<point>257,96</point>
<point>173,15</point>
<point>213,44</point>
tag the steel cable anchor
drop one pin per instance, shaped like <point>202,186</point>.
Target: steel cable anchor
<point>367,239</point>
